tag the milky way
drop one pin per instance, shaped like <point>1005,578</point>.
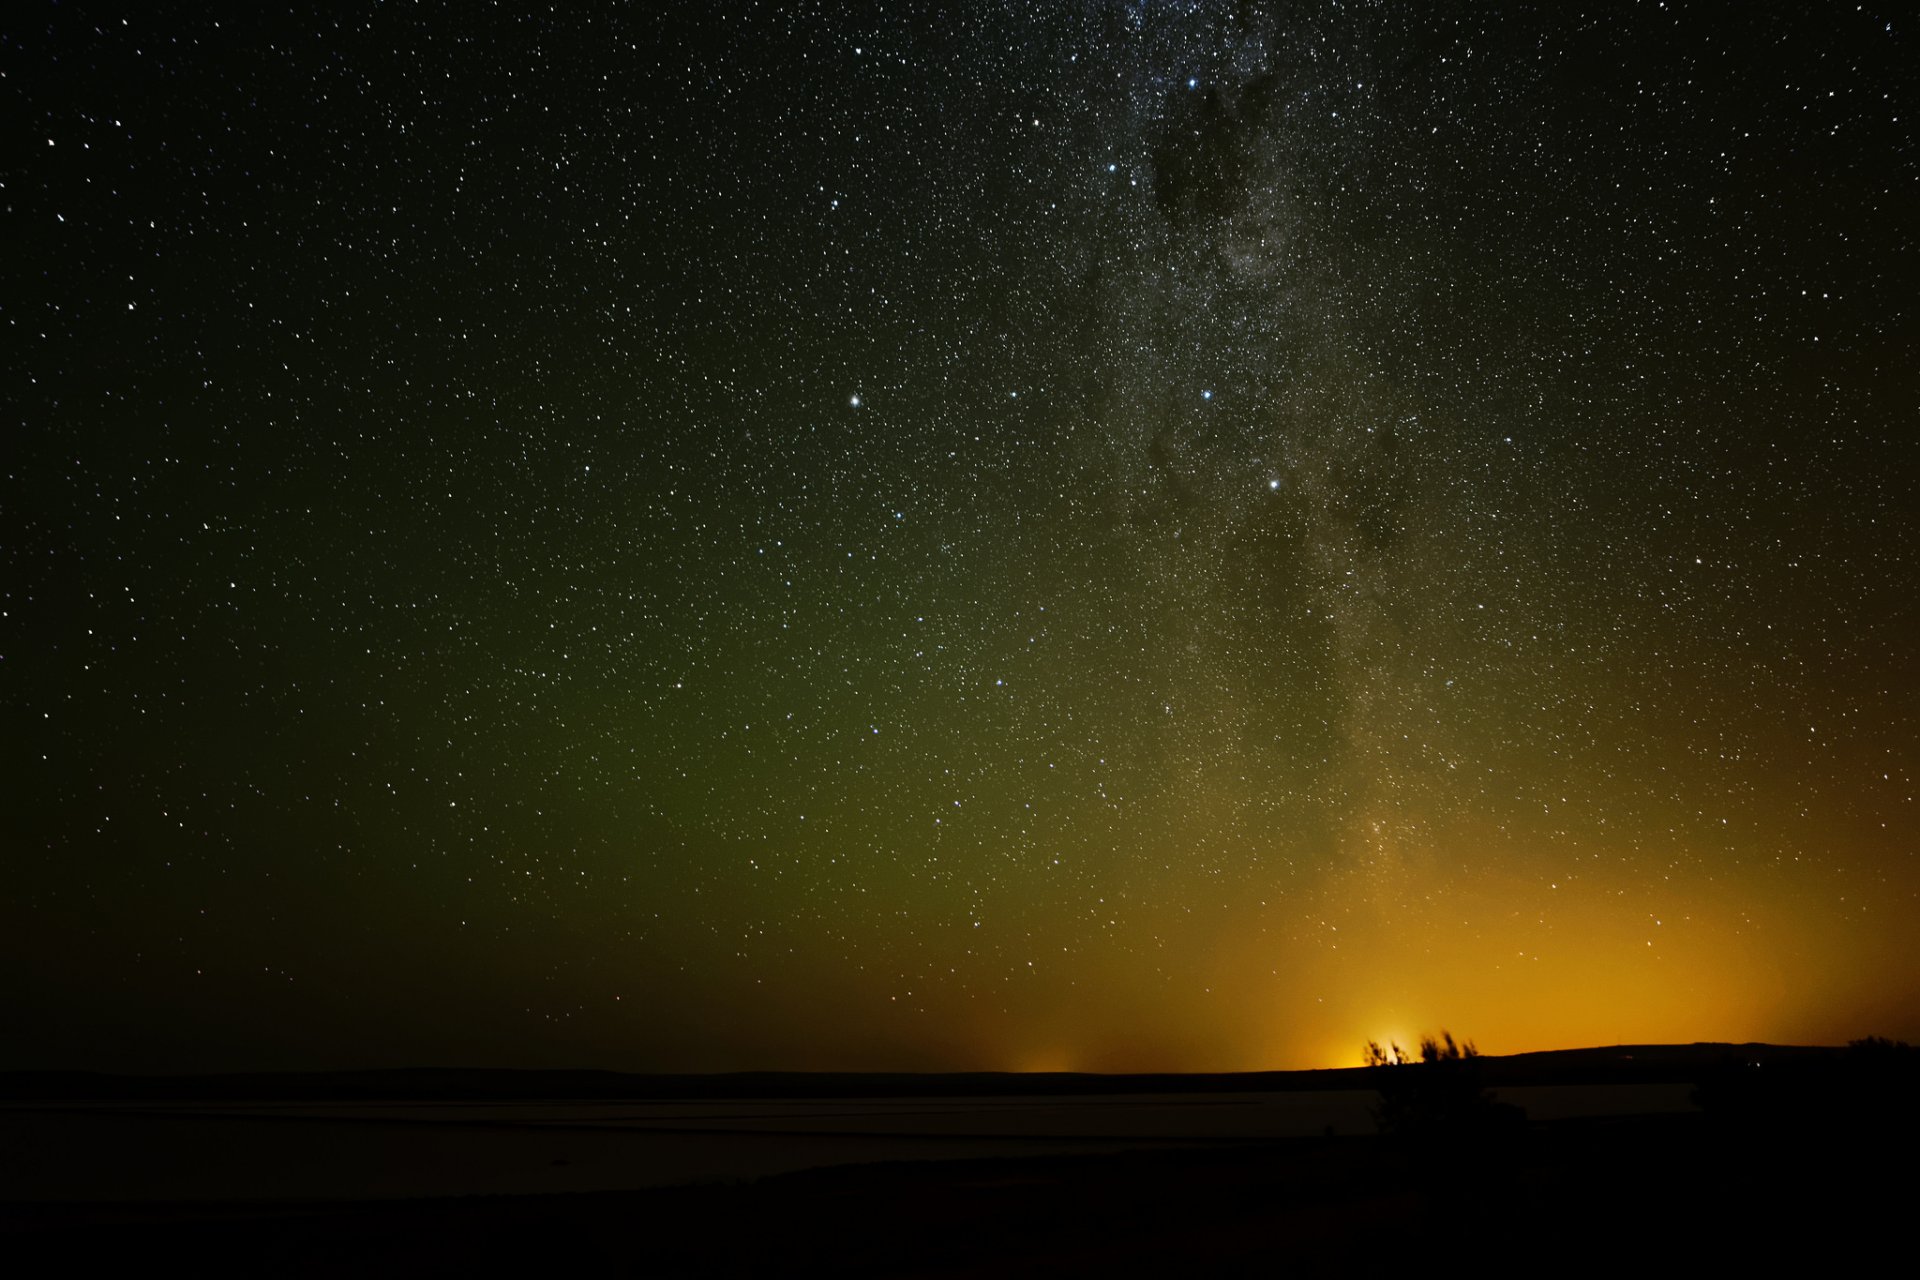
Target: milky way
<point>1108,536</point>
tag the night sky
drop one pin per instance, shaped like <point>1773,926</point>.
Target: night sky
<point>1009,535</point>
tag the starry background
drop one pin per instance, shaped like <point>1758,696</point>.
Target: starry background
<point>1105,536</point>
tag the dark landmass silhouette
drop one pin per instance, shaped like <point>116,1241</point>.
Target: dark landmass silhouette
<point>1657,1158</point>
<point>1615,1064</point>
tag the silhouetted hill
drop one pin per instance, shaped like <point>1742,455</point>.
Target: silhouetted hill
<point>1618,1064</point>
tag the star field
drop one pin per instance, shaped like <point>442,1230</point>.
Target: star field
<point>1106,536</point>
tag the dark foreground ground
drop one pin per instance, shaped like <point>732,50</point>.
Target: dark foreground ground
<point>1815,1169</point>
<point>1653,1195</point>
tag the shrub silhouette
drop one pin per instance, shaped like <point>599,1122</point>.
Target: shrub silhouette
<point>1884,1076</point>
<point>1438,1094</point>
<point>1761,1091</point>
<point>1876,1051</point>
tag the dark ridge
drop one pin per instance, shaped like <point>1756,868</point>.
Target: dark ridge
<point>1618,1064</point>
